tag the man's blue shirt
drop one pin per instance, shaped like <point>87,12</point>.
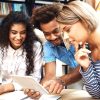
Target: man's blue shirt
<point>51,53</point>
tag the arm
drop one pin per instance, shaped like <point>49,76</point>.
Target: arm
<point>6,88</point>
<point>38,62</point>
<point>90,72</point>
<point>91,80</point>
<point>71,77</point>
<point>56,85</point>
<point>49,81</point>
<point>50,71</point>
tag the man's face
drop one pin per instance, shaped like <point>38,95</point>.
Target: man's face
<point>52,32</point>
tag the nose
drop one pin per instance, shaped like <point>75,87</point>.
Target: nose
<point>70,40</point>
<point>18,36</point>
<point>53,37</point>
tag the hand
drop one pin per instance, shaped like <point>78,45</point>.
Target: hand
<point>82,58</point>
<point>31,93</point>
<point>54,86</point>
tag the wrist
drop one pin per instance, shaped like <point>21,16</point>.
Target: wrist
<point>84,68</point>
<point>61,80</point>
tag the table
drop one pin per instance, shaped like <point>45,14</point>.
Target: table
<point>73,94</point>
<point>16,95</point>
<point>66,94</point>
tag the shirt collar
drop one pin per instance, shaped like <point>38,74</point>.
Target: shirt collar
<point>52,45</point>
<point>15,52</point>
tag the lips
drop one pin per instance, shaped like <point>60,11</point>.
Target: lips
<point>56,42</point>
<point>18,42</point>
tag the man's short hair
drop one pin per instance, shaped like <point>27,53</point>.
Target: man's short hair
<point>45,14</point>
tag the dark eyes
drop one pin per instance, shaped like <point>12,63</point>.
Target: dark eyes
<point>68,30</point>
<point>15,32</point>
<point>55,31</point>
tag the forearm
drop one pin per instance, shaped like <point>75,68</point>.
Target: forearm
<point>6,88</point>
<point>72,77</point>
<point>48,77</point>
<point>49,71</point>
<point>90,80</point>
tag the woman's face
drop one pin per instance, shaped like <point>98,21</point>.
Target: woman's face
<point>77,32</point>
<point>17,35</point>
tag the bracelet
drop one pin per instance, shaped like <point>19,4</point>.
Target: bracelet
<point>62,82</point>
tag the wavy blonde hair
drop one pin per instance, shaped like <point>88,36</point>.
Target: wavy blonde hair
<point>78,10</point>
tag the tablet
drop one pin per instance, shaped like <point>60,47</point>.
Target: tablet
<point>27,82</point>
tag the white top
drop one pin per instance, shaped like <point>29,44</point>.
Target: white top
<point>14,62</point>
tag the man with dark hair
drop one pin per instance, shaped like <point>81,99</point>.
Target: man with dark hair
<point>44,18</point>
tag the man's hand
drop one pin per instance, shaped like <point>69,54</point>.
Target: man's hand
<point>54,86</point>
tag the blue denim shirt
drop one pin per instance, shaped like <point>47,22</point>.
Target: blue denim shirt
<point>51,53</point>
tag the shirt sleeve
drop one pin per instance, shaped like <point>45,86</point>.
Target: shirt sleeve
<point>48,53</point>
<point>71,52</point>
<point>38,61</point>
<point>91,82</point>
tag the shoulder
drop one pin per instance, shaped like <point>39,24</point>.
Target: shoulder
<point>48,44</point>
<point>95,34</point>
<point>37,45</point>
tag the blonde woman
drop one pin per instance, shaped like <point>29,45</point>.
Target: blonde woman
<point>81,23</point>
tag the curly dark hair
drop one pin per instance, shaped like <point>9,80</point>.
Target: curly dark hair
<point>45,14</point>
<point>6,24</point>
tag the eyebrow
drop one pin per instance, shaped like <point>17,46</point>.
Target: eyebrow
<point>67,27</point>
<point>17,31</point>
<point>52,30</point>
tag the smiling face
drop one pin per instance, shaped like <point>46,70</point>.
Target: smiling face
<point>52,32</point>
<point>17,35</point>
<point>77,32</point>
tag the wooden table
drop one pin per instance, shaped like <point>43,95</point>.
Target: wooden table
<point>67,94</point>
<point>73,94</point>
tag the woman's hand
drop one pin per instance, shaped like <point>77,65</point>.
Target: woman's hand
<point>32,94</point>
<point>54,86</point>
<point>82,58</point>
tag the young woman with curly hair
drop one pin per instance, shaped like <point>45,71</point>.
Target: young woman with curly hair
<point>20,50</point>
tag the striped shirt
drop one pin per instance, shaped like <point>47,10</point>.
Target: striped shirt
<point>91,79</point>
